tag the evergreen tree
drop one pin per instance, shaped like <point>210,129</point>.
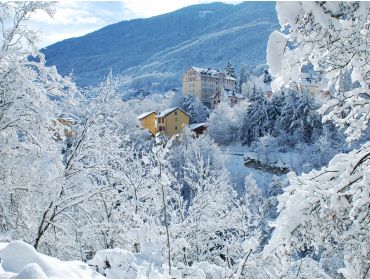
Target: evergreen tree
<point>306,118</point>
<point>243,77</point>
<point>257,121</point>
<point>267,79</point>
<point>230,70</point>
<point>275,109</point>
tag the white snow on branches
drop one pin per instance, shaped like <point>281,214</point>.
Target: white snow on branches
<point>328,208</point>
<point>333,37</point>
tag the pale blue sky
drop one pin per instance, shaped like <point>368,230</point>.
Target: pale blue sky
<point>76,18</point>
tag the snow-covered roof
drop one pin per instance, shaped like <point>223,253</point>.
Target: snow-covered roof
<point>68,117</point>
<point>213,96</point>
<point>196,125</point>
<point>168,111</point>
<point>212,72</point>
<point>231,93</point>
<point>237,95</point>
<point>143,115</point>
<point>208,71</point>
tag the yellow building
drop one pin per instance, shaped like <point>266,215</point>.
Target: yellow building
<point>148,121</point>
<point>62,127</point>
<point>172,121</point>
<point>205,83</point>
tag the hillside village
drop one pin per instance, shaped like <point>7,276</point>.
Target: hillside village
<point>208,86</point>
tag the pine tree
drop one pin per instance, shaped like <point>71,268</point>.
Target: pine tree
<point>257,121</point>
<point>267,79</point>
<point>243,77</point>
<point>230,70</point>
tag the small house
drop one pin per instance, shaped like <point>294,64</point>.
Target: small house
<point>148,121</point>
<point>198,128</point>
<point>171,121</point>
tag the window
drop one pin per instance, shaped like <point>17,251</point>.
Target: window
<point>176,119</point>
<point>175,113</point>
<point>176,127</point>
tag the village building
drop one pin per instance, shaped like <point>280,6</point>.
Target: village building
<point>198,128</point>
<point>148,121</point>
<point>230,95</point>
<point>62,127</point>
<point>169,122</point>
<point>172,121</point>
<point>204,83</point>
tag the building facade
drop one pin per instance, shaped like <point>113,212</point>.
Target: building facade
<point>205,83</point>
<point>172,121</point>
<point>148,121</point>
<point>228,95</point>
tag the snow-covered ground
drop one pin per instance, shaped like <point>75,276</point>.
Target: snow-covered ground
<point>118,263</point>
<point>20,260</point>
<point>235,155</point>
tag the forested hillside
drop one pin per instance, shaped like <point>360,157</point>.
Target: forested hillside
<point>153,53</point>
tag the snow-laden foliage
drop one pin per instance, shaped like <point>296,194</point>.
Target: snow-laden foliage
<point>225,122</point>
<point>123,264</point>
<point>289,118</point>
<point>324,214</point>
<point>333,37</point>
<point>80,179</point>
<point>328,209</point>
<point>230,70</point>
<point>31,170</point>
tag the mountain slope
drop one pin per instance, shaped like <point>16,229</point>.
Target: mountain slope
<point>156,51</point>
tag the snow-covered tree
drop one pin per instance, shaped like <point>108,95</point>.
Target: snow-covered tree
<point>230,70</point>
<point>197,111</point>
<point>327,209</point>
<point>243,77</point>
<point>267,79</point>
<point>206,221</point>
<point>227,129</point>
<point>333,37</point>
<point>31,97</point>
<point>257,122</point>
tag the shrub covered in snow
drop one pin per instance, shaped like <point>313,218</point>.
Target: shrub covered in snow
<point>117,263</point>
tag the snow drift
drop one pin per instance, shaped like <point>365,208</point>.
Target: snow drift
<point>20,260</point>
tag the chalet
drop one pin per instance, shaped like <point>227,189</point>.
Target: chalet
<point>229,95</point>
<point>204,83</point>
<point>171,121</point>
<point>148,121</point>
